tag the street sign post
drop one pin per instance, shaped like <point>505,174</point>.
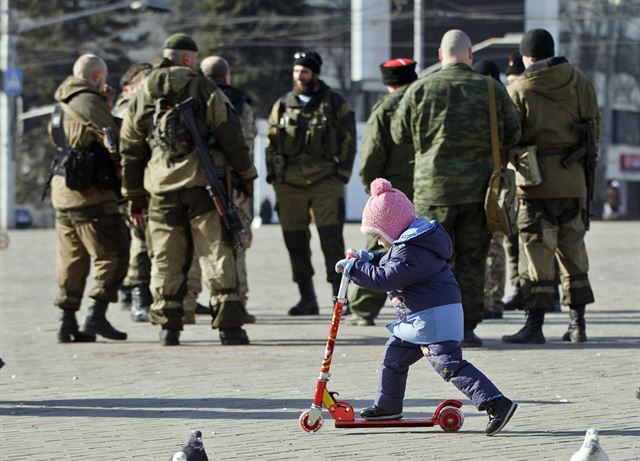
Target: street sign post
<point>12,81</point>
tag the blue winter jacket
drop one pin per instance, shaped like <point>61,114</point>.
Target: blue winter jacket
<point>416,269</point>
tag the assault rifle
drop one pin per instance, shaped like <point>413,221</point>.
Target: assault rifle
<point>589,151</point>
<point>222,202</point>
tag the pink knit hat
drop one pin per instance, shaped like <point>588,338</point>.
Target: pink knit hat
<point>388,211</point>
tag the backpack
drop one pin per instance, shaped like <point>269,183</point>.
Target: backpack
<point>170,132</point>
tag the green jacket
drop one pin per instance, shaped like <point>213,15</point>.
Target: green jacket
<point>307,143</point>
<point>446,117</point>
<point>86,112</point>
<point>380,157</point>
<point>550,96</point>
<point>144,166</point>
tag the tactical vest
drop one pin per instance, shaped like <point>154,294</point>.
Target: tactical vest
<point>309,129</point>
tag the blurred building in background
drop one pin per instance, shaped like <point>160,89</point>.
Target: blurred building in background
<point>602,37</point>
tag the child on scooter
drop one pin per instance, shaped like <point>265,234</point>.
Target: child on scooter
<point>427,298</point>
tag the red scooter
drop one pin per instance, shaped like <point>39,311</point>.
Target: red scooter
<point>447,414</point>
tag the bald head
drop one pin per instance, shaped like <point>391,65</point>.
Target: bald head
<point>455,47</point>
<point>216,68</point>
<point>92,68</point>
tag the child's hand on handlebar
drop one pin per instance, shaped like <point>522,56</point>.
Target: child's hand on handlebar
<point>363,255</point>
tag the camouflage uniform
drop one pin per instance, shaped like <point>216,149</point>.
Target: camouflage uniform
<point>446,117</point>
<point>181,214</point>
<point>380,157</point>
<point>550,96</point>
<point>242,106</point>
<point>309,154</point>
<point>88,224</point>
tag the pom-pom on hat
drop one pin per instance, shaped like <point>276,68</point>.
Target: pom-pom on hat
<point>388,211</point>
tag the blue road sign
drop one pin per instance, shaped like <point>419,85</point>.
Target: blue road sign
<point>13,81</point>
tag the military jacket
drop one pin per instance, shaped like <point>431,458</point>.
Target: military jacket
<point>380,157</point>
<point>445,116</point>
<point>307,143</point>
<point>86,112</point>
<point>550,96</point>
<point>144,166</point>
<point>242,104</point>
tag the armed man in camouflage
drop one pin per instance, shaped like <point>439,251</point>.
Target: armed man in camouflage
<point>88,223</point>
<point>380,157</point>
<point>218,69</point>
<point>310,152</point>
<point>139,272</point>
<point>552,99</point>
<point>158,158</point>
<point>446,117</point>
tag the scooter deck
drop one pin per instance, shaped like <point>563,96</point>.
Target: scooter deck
<point>399,423</point>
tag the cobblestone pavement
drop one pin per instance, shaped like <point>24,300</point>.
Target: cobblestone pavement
<point>136,400</point>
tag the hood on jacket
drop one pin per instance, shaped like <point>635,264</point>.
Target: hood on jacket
<point>427,234</point>
<point>72,86</point>
<point>168,78</point>
<point>554,78</point>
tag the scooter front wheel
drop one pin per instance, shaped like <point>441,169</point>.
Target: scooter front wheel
<point>304,422</point>
<point>450,419</point>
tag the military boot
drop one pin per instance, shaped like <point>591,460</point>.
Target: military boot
<point>235,336</point>
<point>577,331</point>
<point>96,322</point>
<point>169,337</point>
<point>140,303</point>
<point>308,304</point>
<point>531,333</point>
<point>69,330</point>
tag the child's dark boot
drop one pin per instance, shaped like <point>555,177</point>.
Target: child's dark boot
<point>375,413</point>
<point>500,411</point>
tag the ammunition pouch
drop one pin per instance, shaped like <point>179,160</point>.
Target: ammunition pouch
<point>84,168</point>
<point>276,167</point>
<point>525,161</point>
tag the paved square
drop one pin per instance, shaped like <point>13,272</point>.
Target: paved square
<point>137,400</point>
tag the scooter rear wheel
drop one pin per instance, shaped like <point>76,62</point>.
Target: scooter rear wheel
<point>451,419</point>
<point>304,422</point>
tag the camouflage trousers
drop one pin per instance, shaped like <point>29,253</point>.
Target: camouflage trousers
<point>466,225</point>
<point>95,233</point>
<point>180,223</point>
<point>495,274</point>
<point>366,303</point>
<point>194,277</point>
<point>553,229</point>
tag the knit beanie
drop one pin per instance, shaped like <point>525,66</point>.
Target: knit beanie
<point>537,43</point>
<point>398,71</point>
<point>388,211</point>
<point>309,59</point>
